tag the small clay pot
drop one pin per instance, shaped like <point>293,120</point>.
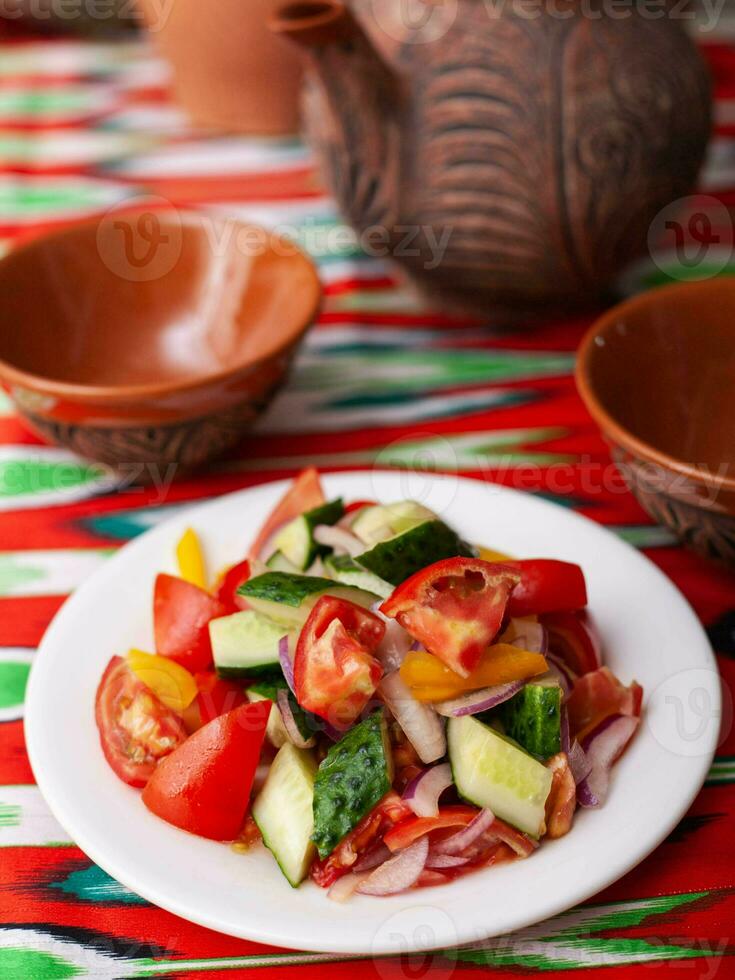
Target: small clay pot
<point>658,376</point>
<point>229,71</point>
<point>151,338</point>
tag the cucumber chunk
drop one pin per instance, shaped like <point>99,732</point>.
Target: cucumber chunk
<point>279,563</point>
<point>283,811</point>
<point>533,719</point>
<point>275,730</point>
<point>296,540</point>
<point>307,723</point>
<point>491,771</point>
<point>354,776</point>
<point>288,599</point>
<point>244,643</point>
<point>344,569</point>
<point>399,557</point>
<point>383,521</point>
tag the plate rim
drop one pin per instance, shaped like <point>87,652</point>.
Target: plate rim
<point>339,947</point>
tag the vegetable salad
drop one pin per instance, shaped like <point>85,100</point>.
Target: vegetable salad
<point>380,703</point>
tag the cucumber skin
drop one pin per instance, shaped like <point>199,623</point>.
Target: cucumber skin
<point>533,719</point>
<point>328,513</point>
<point>341,565</point>
<point>399,557</point>
<point>284,587</point>
<point>352,779</point>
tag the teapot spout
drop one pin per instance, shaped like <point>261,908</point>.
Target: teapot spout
<point>325,25</point>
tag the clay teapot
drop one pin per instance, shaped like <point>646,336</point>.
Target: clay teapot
<point>504,159</point>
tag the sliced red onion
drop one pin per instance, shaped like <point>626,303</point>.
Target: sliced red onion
<point>579,764</point>
<point>372,858</point>
<point>562,671</point>
<point>437,860</point>
<point>564,730</point>
<point>399,872</point>
<point>346,886</point>
<point>421,725</point>
<point>340,540</point>
<point>423,792</point>
<point>603,746</point>
<point>289,722</point>
<point>395,644</point>
<point>284,657</point>
<point>459,841</point>
<point>529,636</point>
<point>477,701</point>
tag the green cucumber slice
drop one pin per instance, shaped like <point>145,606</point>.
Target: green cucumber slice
<point>288,599</point>
<point>533,719</point>
<point>383,521</point>
<point>491,771</point>
<point>344,569</point>
<point>296,540</point>
<point>354,776</point>
<point>244,642</point>
<point>307,723</point>
<point>283,811</point>
<point>401,556</point>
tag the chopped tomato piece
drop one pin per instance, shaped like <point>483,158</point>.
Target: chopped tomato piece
<point>231,581</point>
<point>305,493</point>
<point>215,696</point>
<point>181,615</point>
<point>356,505</point>
<point>547,586</point>
<point>573,638</point>
<point>136,729</point>
<point>454,608</point>
<point>204,786</point>
<point>407,831</point>
<point>335,672</point>
<point>597,695</point>
<point>522,844</point>
<point>562,799</point>
<point>430,680</point>
<point>385,815</point>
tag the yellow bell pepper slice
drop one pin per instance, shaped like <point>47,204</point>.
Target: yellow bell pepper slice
<point>488,554</point>
<point>169,681</point>
<point>430,680</point>
<point>190,559</point>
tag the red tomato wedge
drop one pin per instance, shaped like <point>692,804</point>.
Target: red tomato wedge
<point>335,673</point>
<point>562,799</point>
<point>204,786</point>
<point>597,695</point>
<point>181,615</point>
<point>407,831</point>
<point>231,581</point>
<point>216,697</point>
<point>305,493</point>
<point>454,608</point>
<point>547,586</point>
<point>572,637</point>
<point>368,831</point>
<point>136,729</point>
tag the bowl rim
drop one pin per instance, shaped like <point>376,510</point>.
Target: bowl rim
<point>611,428</point>
<point>10,375</point>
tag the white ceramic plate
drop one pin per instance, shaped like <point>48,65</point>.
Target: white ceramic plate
<point>649,633</point>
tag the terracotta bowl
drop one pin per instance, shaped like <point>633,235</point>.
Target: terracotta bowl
<point>149,337</point>
<point>658,375</point>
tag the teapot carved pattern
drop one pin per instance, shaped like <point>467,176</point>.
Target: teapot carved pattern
<point>535,152</point>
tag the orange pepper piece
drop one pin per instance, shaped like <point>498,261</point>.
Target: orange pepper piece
<point>430,680</point>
